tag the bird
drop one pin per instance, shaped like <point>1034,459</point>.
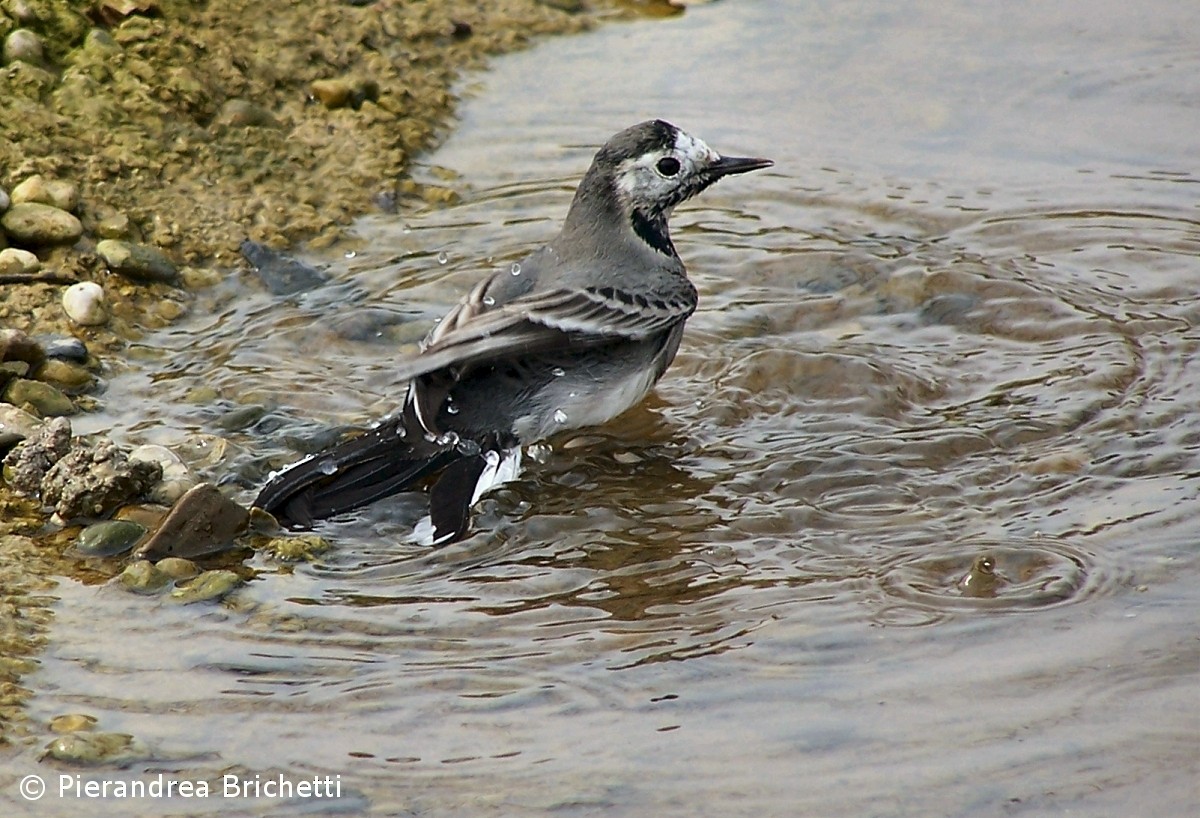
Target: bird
<point>571,336</point>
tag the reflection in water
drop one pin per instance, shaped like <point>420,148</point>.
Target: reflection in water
<point>926,445</point>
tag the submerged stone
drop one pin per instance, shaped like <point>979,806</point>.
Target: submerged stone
<point>45,399</point>
<point>282,274</point>
<point>142,577</point>
<point>138,262</point>
<point>209,586</point>
<point>97,748</point>
<point>108,538</point>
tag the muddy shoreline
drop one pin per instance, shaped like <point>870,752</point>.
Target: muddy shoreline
<point>176,131</point>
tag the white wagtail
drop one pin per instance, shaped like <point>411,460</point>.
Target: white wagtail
<point>572,336</point>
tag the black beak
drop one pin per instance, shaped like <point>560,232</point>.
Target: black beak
<point>729,165</point>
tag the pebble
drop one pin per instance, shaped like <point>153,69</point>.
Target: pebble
<point>138,262</point>
<point>142,577</point>
<point>67,349</point>
<point>22,423</point>
<point>45,399</point>
<point>15,345</point>
<point>72,723</point>
<point>64,374</point>
<point>117,749</point>
<point>282,274</point>
<point>339,93</point>
<point>211,585</point>
<point>114,226</point>
<point>14,261</point>
<point>240,113</point>
<point>177,568</point>
<point>203,521</point>
<point>303,548</point>
<point>109,538</point>
<point>25,467</point>
<point>5,200</point>
<point>95,479</point>
<point>86,304</point>
<point>22,45</point>
<point>177,478</point>
<point>40,190</point>
<point>36,224</point>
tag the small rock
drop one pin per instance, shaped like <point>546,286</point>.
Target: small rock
<point>211,585</point>
<point>53,192</point>
<point>92,480</point>
<point>14,261</point>
<point>138,262</point>
<point>67,349</point>
<point>240,113</point>
<point>35,224</point>
<point>203,521</point>
<point>339,93</point>
<point>45,399</point>
<point>21,422</point>
<point>177,568</point>
<point>72,723</point>
<point>142,577</point>
<point>151,516</point>
<point>5,200</point>
<point>97,748</point>
<point>26,466</point>
<point>64,374</point>
<point>303,548</point>
<point>85,304</point>
<point>108,538</point>
<point>282,274</point>
<point>17,346</point>
<point>22,45</point>
<point>114,226</point>
<point>177,478</point>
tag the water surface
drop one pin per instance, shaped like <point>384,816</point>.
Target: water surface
<point>909,528</point>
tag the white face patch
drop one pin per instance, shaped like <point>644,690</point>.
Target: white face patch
<point>641,181</point>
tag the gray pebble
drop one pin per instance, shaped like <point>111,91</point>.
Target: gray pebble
<point>94,480</point>
<point>5,200</point>
<point>22,45</point>
<point>35,224</point>
<point>282,274</point>
<point>26,466</point>
<point>67,349</point>
<point>138,262</point>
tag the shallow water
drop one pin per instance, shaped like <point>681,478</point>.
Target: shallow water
<point>957,321</point>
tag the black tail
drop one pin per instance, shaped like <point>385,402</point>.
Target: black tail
<point>377,464</point>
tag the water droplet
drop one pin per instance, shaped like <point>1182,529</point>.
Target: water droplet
<point>401,432</point>
<point>539,452</point>
<point>447,439</point>
<point>488,301</point>
<point>558,372</point>
<point>468,447</point>
<point>515,269</point>
<point>560,416</point>
<point>443,257</point>
<point>328,467</point>
<point>451,408</point>
<point>351,253</point>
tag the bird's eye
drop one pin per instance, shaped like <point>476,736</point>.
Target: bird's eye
<point>668,166</point>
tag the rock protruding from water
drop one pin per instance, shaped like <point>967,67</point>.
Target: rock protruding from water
<point>282,274</point>
<point>203,521</point>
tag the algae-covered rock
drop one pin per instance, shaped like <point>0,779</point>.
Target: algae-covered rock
<point>37,225</point>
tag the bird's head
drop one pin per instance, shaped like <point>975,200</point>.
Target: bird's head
<point>652,167</point>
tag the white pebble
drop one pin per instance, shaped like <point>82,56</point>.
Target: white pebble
<point>85,304</point>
